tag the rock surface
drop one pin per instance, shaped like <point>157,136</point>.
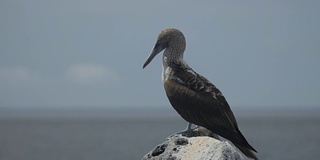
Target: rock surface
<point>198,144</point>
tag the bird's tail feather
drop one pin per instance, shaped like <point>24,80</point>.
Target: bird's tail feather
<point>247,152</point>
<point>239,141</point>
<point>234,137</point>
<point>244,143</point>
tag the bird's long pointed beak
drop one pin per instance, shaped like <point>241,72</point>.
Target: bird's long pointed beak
<point>156,50</point>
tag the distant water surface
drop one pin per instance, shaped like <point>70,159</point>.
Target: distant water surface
<point>130,136</point>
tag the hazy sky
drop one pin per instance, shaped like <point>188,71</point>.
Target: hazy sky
<point>65,53</point>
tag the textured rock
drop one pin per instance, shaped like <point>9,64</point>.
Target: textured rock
<point>198,144</point>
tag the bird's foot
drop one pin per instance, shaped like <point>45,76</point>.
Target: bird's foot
<point>188,129</point>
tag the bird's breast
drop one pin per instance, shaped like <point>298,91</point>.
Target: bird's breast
<point>168,74</point>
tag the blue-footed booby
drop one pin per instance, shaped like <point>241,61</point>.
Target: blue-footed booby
<point>193,96</point>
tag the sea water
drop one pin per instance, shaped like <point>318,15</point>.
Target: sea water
<point>130,136</point>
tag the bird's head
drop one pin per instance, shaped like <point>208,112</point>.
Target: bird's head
<point>171,39</point>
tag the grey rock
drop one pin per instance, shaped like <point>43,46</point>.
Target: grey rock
<point>198,144</point>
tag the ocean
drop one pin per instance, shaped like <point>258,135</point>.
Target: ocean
<point>126,136</point>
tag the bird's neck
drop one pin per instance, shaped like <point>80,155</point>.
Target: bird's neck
<point>172,57</point>
<point>170,61</point>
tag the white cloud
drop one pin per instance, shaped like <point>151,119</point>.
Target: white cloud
<point>17,75</point>
<point>91,74</point>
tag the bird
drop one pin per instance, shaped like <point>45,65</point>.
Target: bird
<point>193,96</point>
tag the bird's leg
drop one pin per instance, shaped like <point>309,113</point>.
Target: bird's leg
<point>197,126</point>
<point>189,127</point>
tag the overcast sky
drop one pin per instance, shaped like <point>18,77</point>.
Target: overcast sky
<point>83,53</point>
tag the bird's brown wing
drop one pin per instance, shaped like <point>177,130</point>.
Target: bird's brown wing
<point>221,100</point>
<point>201,103</point>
